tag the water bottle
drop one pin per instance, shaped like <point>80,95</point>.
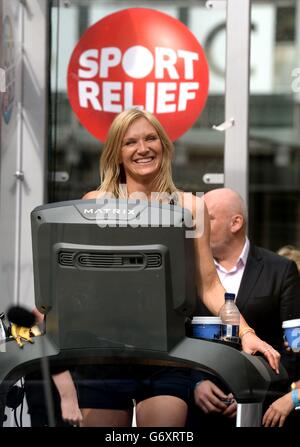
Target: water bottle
<point>230,316</point>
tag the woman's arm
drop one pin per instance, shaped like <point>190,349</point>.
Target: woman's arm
<point>279,410</point>
<point>208,284</point>
<point>68,397</point>
<point>65,386</point>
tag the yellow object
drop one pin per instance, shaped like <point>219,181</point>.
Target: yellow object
<point>35,331</point>
<point>21,333</point>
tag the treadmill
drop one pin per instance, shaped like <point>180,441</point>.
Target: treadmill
<point>116,281</point>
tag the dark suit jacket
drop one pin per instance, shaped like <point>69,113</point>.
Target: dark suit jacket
<point>269,293</point>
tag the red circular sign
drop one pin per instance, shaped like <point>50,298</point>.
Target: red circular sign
<point>142,58</point>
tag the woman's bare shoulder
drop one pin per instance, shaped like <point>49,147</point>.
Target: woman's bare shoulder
<point>92,195</point>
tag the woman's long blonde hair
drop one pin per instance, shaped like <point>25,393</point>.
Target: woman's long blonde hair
<point>111,171</point>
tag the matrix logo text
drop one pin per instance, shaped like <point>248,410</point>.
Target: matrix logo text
<point>137,212</point>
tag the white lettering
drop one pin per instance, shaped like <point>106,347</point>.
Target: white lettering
<point>188,57</point>
<point>110,57</point>
<point>165,59</point>
<point>137,62</point>
<point>88,92</point>
<point>128,97</point>
<point>163,96</point>
<point>150,96</point>
<point>88,64</point>
<point>117,96</point>
<point>122,437</point>
<point>110,96</point>
<point>193,220</point>
<point>140,198</point>
<point>186,92</point>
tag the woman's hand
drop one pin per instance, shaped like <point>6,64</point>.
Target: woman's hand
<point>277,413</point>
<point>252,344</point>
<point>70,411</point>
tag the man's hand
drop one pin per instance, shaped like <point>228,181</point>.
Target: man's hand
<point>230,411</point>
<point>210,399</point>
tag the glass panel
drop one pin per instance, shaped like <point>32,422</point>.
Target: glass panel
<point>274,124</point>
<point>74,152</point>
<point>10,98</point>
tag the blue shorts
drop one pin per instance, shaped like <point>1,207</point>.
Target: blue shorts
<point>118,392</point>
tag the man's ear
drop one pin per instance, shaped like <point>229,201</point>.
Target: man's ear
<point>237,223</point>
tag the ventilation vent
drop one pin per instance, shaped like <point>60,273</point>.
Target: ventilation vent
<point>109,260</point>
<point>153,260</point>
<point>65,258</point>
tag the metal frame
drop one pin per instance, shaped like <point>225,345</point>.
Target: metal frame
<point>237,96</point>
<point>33,141</point>
<point>249,415</point>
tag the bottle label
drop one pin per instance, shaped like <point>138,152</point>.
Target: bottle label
<point>230,332</point>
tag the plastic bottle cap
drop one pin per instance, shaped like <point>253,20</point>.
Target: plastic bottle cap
<point>229,296</point>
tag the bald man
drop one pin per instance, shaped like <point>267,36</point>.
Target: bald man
<point>266,285</point>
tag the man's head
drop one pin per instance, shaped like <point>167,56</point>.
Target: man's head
<point>228,218</point>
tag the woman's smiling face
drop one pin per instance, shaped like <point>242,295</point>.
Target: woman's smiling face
<point>141,152</point>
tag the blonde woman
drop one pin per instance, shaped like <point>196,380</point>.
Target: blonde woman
<point>137,158</point>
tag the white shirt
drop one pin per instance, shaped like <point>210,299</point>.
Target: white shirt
<point>231,279</point>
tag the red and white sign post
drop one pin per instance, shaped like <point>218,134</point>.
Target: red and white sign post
<point>142,58</point>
